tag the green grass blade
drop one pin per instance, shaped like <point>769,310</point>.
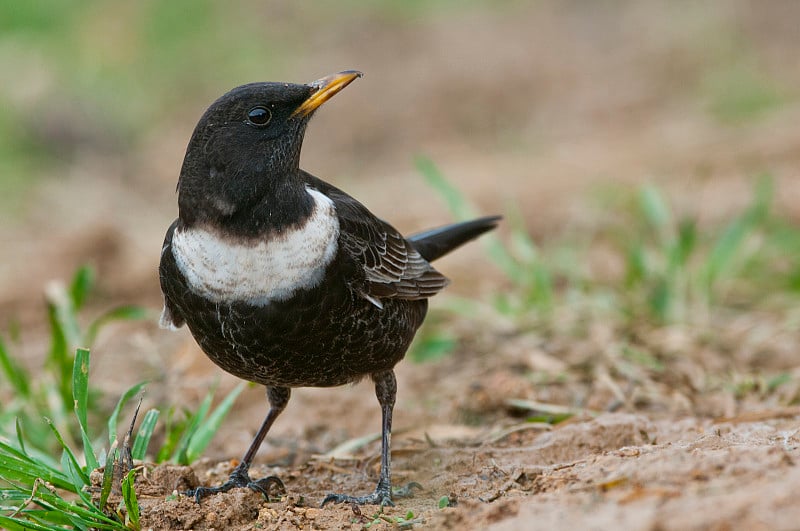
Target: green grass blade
<point>542,295</point>
<point>73,472</point>
<point>144,434</point>
<point>77,475</point>
<point>194,421</point>
<point>206,430</point>
<point>723,256</point>
<point>455,200</point>
<point>16,524</point>
<point>16,375</point>
<point>113,420</point>
<point>74,468</point>
<point>654,207</point>
<point>18,466</point>
<point>173,430</point>
<point>636,265</point>
<point>684,246</point>
<point>80,396</point>
<point>129,497</point>
<point>81,285</point>
<point>64,315</point>
<point>108,475</point>
<point>26,473</point>
<point>461,209</point>
<point>80,385</point>
<point>723,253</point>
<point>661,300</point>
<point>49,517</point>
<point>82,517</point>
<point>523,246</point>
<point>503,259</point>
<point>20,437</point>
<point>61,341</point>
<point>529,271</point>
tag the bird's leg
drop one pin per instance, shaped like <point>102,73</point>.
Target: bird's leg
<point>278,398</point>
<point>386,391</point>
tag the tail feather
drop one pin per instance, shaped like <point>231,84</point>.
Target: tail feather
<point>435,243</point>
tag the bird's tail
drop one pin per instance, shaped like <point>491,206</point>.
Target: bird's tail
<point>435,243</point>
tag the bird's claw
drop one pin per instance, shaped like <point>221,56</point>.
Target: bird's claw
<point>381,496</point>
<point>376,498</point>
<point>239,479</point>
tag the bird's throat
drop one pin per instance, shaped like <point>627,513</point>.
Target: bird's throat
<point>259,208</point>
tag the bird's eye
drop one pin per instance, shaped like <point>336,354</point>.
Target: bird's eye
<point>259,116</point>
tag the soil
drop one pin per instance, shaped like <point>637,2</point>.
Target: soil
<point>614,471</point>
<point>581,99</point>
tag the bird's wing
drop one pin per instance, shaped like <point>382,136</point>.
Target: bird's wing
<point>170,316</point>
<point>391,265</point>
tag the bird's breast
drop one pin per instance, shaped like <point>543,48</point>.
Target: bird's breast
<point>259,271</point>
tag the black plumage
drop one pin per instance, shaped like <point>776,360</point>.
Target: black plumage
<point>282,278</point>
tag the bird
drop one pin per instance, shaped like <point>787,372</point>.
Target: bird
<point>285,280</point>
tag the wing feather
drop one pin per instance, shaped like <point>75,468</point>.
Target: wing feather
<point>392,267</point>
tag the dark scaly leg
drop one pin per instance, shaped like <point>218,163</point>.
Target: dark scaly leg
<point>278,398</point>
<point>386,391</point>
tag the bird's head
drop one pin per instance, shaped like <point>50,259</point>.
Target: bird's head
<point>246,147</point>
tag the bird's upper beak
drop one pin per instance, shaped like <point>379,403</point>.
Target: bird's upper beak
<point>326,88</point>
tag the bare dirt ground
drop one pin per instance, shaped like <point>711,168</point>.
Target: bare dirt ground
<point>610,471</point>
<point>542,105</point>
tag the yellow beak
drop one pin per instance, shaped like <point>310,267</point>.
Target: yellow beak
<point>327,87</point>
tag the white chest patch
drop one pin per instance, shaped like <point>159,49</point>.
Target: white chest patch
<point>264,271</point>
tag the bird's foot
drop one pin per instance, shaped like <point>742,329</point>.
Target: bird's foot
<point>239,478</point>
<point>382,496</point>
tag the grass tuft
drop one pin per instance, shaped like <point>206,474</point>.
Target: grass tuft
<point>40,492</point>
<point>671,293</point>
<point>520,259</point>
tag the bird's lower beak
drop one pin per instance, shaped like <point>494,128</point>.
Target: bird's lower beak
<point>327,87</point>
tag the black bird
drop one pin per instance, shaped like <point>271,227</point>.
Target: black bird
<point>282,278</point>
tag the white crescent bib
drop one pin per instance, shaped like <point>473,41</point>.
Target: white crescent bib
<point>262,271</point>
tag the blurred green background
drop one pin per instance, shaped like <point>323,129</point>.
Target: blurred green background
<point>548,105</point>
